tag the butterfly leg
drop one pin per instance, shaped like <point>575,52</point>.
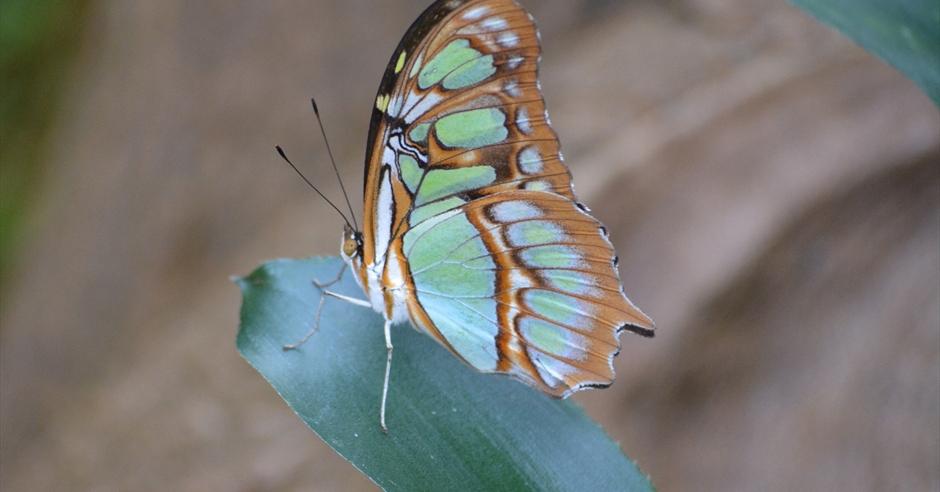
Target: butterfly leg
<point>388,368</point>
<point>316,324</point>
<point>331,282</point>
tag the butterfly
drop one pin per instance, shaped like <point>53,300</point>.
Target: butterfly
<point>471,230</point>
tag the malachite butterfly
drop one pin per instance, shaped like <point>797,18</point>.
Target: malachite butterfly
<point>472,231</point>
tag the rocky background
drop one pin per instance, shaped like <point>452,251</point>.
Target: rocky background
<point>773,192</point>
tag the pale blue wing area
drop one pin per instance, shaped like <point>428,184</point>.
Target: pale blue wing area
<point>468,325</point>
<point>459,300</point>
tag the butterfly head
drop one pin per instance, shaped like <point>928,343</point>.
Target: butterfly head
<point>352,246</point>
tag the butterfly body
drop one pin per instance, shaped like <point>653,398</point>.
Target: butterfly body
<point>472,231</point>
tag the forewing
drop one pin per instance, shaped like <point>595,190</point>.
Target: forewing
<point>459,116</point>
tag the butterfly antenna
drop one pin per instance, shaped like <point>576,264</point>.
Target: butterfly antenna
<point>284,156</point>
<point>328,151</point>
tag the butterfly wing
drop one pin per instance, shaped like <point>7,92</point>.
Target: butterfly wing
<point>458,111</point>
<point>470,211</point>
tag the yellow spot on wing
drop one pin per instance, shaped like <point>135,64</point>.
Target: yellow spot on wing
<point>381,102</point>
<point>401,62</point>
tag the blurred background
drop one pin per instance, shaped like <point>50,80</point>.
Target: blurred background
<point>772,189</point>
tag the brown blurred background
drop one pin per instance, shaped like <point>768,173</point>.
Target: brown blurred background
<point>772,189</point>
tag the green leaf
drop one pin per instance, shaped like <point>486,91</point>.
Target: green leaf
<point>450,427</point>
<point>905,33</point>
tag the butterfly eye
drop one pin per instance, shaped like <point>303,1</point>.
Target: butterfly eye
<point>350,247</point>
